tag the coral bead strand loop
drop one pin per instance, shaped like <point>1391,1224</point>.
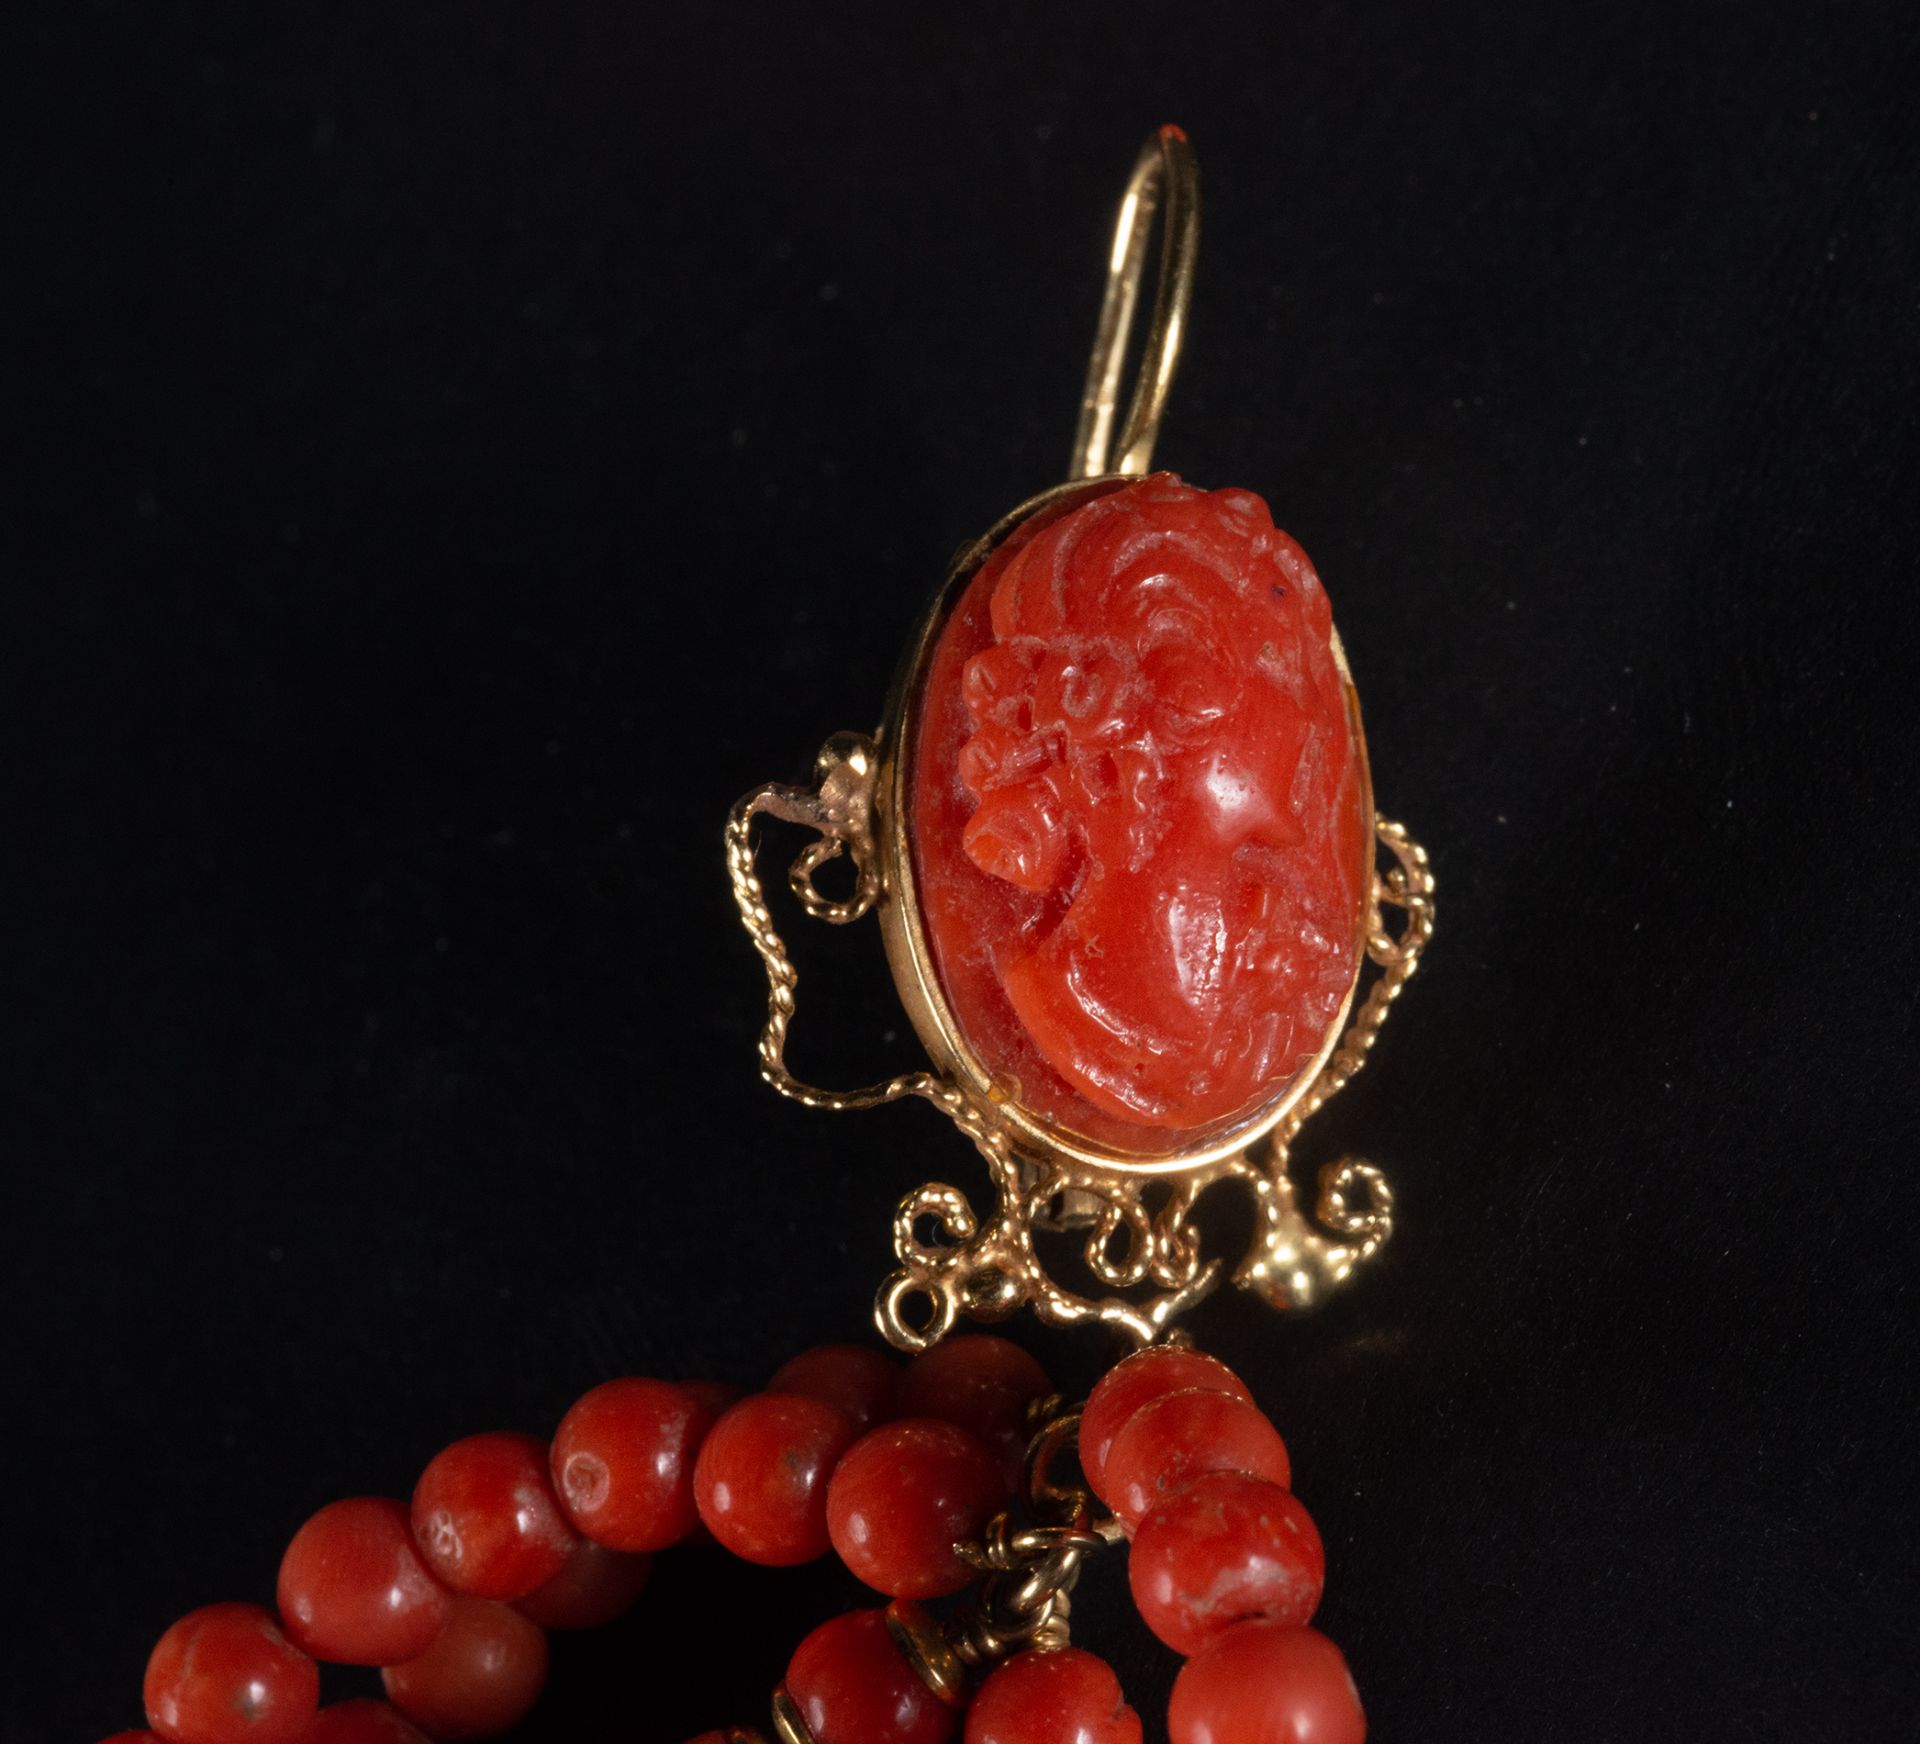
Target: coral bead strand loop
<point>954,1472</point>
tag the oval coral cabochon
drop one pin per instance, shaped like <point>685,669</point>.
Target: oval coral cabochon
<point>1138,814</point>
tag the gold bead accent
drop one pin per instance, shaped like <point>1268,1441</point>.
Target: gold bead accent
<point>789,1724</point>
<point>924,1646</point>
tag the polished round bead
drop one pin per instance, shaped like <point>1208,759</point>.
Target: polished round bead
<point>1181,1436</point>
<point>623,1461</point>
<point>1226,1548</point>
<point>353,1589</point>
<point>595,1587</point>
<point>761,1480</point>
<point>902,1496</point>
<point>981,1383</point>
<point>1139,1380</point>
<point>853,1685</point>
<point>856,1377</point>
<point>486,1518</point>
<point>226,1675</point>
<point>483,1674</point>
<point>1266,1683</point>
<point>363,1722</point>
<point>1057,1696</point>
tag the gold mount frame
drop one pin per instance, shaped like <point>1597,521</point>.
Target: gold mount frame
<point>1135,1213</point>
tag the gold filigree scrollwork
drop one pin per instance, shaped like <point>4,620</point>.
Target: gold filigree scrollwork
<point>1295,1259</point>
<point>1146,1256</point>
<point>839,809</point>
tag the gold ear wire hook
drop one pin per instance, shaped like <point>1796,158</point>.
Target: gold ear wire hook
<point>1165,174</point>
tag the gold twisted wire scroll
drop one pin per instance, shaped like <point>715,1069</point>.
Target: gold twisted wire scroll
<point>1145,1257</point>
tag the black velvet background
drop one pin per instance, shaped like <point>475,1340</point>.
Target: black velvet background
<point>455,449</point>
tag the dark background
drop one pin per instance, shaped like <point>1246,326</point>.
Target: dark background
<point>455,449</point>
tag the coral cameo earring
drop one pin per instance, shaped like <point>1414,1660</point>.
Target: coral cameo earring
<point>1118,828</point>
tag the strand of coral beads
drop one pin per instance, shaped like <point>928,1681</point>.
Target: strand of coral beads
<point>892,1468</point>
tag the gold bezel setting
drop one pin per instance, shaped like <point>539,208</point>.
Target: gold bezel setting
<point>903,928</point>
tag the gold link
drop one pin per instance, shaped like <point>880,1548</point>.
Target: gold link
<point>1030,1570</point>
<point>1052,1434</point>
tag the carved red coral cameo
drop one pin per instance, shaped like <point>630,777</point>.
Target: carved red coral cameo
<point>1139,822</point>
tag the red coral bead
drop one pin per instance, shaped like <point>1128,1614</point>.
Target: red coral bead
<point>900,1499</point>
<point>761,1480</point>
<point>1058,1696</point>
<point>1226,1548</point>
<point>623,1461</point>
<point>596,1586</point>
<point>1139,1380</point>
<point>856,1377</point>
<point>982,1384</point>
<point>1266,1683</point>
<point>353,1589</point>
<point>226,1675</point>
<point>363,1722</point>
<point>853,1685</point>
<point>1181,1436</point>
<point>483,1674</point>
<point>486,1518</point>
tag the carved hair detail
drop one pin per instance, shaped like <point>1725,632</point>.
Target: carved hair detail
<point>1150,758</point>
